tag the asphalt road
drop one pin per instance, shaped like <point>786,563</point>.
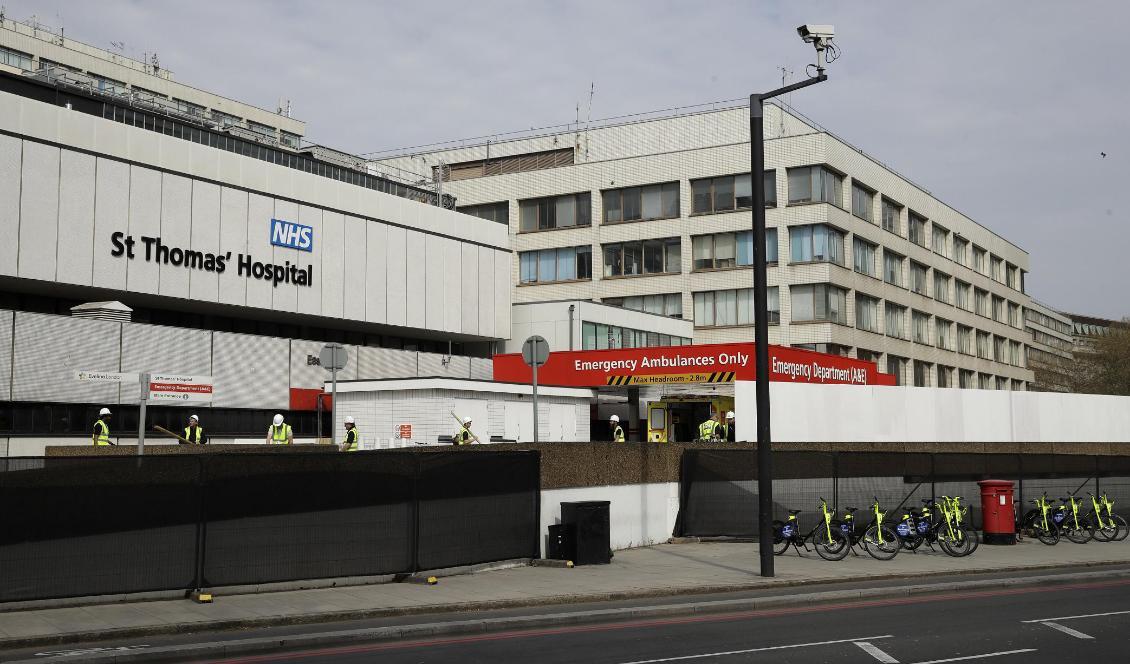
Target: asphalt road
<point>1034,624</point>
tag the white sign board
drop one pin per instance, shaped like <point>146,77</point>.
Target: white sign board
<point>173,389</point>
<point>106,377</point>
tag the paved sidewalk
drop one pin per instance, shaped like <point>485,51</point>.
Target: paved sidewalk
<point>667,569</point>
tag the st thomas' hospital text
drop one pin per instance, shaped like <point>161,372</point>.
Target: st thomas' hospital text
<point>246,266</point>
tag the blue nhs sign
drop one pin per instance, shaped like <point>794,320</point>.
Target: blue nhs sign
<point>290,234</point>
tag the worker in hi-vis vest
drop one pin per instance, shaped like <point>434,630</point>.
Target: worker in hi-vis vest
<point>617,430</point>
<point>729,428</point>
<point>101,434</point>
<point>280,433</point>
<point>352,441</point>
<point>193,432</point>
<point>710,429</point>
<point>464,435</point>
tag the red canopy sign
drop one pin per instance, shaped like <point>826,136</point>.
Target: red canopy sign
<point>670,365</point>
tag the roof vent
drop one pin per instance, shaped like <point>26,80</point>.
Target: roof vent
<point>115,311</point>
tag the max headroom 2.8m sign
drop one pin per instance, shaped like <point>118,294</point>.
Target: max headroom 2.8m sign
<point>152,250</point>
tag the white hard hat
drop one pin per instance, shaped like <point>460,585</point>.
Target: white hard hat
<point>466,420</point>
<point>614,418</point>
<point>349,419</point>
<point>278,419</point>
<point>104,411</point>
<point>730,415</point>
<point>194,417</point>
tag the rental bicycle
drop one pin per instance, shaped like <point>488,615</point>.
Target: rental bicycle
<point>876,538</point>
<point>829,542</point>
<point>1120,528</point>
<point>1070,523</point>
<point>1039,521</point>
<point>940,523</point>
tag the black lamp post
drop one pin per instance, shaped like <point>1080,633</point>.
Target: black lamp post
<point>820,36</point>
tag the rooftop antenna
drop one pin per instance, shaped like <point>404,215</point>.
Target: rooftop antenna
<point>786,73</point>
<point>588,120</point>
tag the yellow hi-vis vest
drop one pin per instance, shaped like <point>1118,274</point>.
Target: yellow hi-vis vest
<point>280,434</point>
<point>103,437</point>
<point>618,434</point>
<point>463,437</point>
<point>352,440</point>
<point>706,430</point>
<point>190,437</point>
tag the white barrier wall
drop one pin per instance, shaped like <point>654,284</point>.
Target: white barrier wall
<point>844,413</point>
<point>639,514</point>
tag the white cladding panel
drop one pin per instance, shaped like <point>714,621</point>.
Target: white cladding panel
<point>469,289</point>
<point>46,356</point>
<point>417,278</point>
<point>385,363</point>
<point>333,276</point>
<point>6,318</point>
<point>76,219</point>
<point>396,288</point>
<point>176,233</point>
<point>354,275</point>
<point>259,292</point>
<point>160,349</point>
<point>111,206</point>
<point>303,374</point>
<point>233,238</point>
<point>482,369</point>
<point>309,297</point>
<point>487,296</point>
<point>434,280</point>
<point>376,272</point>
<point>284,296</point>
<point>11,164</point>
<point>432,364</point>
<point>39,212</point>
<point>502,293</point>
<point>142,276</point>
<point>452,270</point>
<point>250,371</point>
<point>203,285</point>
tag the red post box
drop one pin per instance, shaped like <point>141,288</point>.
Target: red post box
<point>998,517</point>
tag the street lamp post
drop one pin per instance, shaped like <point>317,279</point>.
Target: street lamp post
<point>821,37</point>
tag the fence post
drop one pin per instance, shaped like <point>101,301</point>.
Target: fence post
<point>933,475</point>
<point>835,480</point>
<point>537,506</point>
<point>201,521</point>
<point>1098,472</point>
<point>416,466</point>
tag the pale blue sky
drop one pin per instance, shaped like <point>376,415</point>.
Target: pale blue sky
<point>999,108</point>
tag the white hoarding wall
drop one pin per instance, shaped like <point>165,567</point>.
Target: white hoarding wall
<point>839,413</point>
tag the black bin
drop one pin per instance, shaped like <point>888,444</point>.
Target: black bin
<point>591,531</point>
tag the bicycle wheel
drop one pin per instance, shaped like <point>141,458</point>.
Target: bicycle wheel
<point>884,550</point>
<point>1120,524</point>
<point>1081,534</point>
<point>780,540</point>
<point>836,549</point>
<point>1049,535</point>
<point>956,544</point>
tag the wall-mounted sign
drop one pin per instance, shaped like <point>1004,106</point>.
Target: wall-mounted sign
<point>404,431</point>
<point>174,389</point>
<point>246,266</point>
<point>292,235</point>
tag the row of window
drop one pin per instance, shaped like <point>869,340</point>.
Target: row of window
<point>598,336</point>
<point>1044,320</point>
<point>922,373</point>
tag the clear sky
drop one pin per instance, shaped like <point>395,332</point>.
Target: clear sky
<point>1001,109</point>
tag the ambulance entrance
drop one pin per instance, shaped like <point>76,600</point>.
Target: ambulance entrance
<point>676,419</point>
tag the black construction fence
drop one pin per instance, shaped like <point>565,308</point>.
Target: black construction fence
<point>74,527</point>
<point>718,488</point>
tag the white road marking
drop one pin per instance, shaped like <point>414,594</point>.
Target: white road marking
<point>743,652</point>
<point>1067,630</point>
<point>876,653</point>
<point>968,657</point>
<point>1089,615</point>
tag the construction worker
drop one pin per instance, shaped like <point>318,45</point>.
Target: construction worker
<point>193,432</point>
<point>101,434</point>
<point>729,428</point>
<point>617,430</point>
<point>709,430</point>
<point>464,435</point>
<point>352,441</point>
<point>279,433</point>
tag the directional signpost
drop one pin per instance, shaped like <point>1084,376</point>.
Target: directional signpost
<point>333,358</point>
<point>162,388</point>
<point>535,352</point>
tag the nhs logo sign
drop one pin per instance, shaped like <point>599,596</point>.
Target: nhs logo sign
<point>290,234</point>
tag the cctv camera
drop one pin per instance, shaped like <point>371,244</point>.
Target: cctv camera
<point>816,33</point>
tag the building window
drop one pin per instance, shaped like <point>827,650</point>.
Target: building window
<point>660,256</point>
<point>981,300</point>
<point>945,376</point>
<point>189,108</point>
<point>966,378</point>
<point>14,58</point>
<point>1011,276</point>
<point>863,256</point>
<point>917,278</point>
<point>290,140</point>
<point>920,327</point>
<point>540,214</point>
<point>1002,383</point>
<point>894,318</point>
<point>266,131</point>
<point>980,260</point>
<point>984,345</point>
<point>549,265</point>
<point>1000,349</point>
<point>867,313</point>
<point>817,243</point>
<point>815,184</point>
<point>1014,353</point>
<point>961,251</point>
<point>996,268</point>
<point>862,202</point>
<point>667,304</point>
<point>224,120</point>
<point>964,340</point>
<point>496,212</point>
<point>940,239</point>
<point>984,381</point>
<point>891,213</point>
<point>941,287</point>
<point>819,303</point>
<point>921,374</point>
<point>1014,315</point>
<point>732,307</point>
<point>828,349</point>
<point>892,267</point>
<point>963,295</point>
<point>943,336</point>
<point>517,163</point>
<point>998,309</point>
<point>868,355</point>
<point>916,230</point>
<point>656,201</point>
<point>727,250</point>
<point>598,336</point>
<point>895,366</point>
<point>730,192</point>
